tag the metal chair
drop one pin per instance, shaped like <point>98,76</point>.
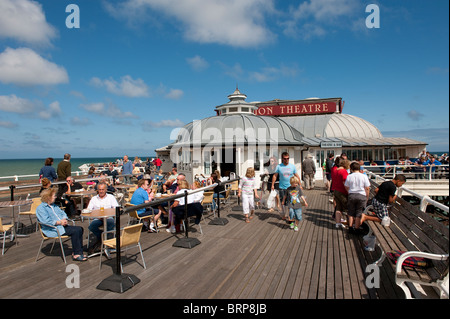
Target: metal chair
<point>44,238</point>
<point>130,237</point>
<point>4,229</point>
<point>31,213</point>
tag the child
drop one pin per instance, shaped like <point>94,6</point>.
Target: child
<point>385,194</point>
<point>293,199</point>
<point>247,189</point>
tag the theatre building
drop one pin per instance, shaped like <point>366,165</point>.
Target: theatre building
<point>246,134</point>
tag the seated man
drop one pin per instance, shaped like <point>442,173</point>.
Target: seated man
<point>194,208</point>
<point>101,200</point>
<point>385,194</point>
<point>140,196</point>
<point>65,200</point>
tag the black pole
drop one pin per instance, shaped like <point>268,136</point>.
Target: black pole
<point>218,220</point>
<point>12,191</point>
<point>118,268</point>
<point>118,282</point>
<point>186,221</point>
<point>186,242</point>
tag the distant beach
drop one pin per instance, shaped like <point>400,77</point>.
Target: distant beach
<point>11,167</point>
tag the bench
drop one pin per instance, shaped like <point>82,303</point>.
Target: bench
<point>418,235</point>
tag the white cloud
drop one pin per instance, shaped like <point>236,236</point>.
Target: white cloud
<point>197,63</point>
<point>109,111</point>
<point>25,67</point>
<point>8,124</point>
<point>265,74</point>
<point>80,121</point>
<point>314,18</point>
<point>230,22</point>
<point>54,110</point>
<point>268,74</point>
<point>13,104</point>
<point>24,20</point>
<point>126,87</point>
<point>175,94</point>
<point>149,126</point>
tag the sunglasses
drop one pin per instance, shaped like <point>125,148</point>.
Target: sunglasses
<point>285,158</point>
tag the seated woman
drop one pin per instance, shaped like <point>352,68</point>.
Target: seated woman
<point>194,208</point>
<point>50,214</point>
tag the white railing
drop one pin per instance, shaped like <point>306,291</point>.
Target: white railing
<point>33,176</point>
<point>440,171</point>
<point>425,200</point>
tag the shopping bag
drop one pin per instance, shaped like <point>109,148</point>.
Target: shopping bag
<point>271,199</point>
<point>369,242</point>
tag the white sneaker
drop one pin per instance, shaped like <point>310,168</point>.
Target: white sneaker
<point>171,229</point>
<point>338,225</point>
<point>295,228</point>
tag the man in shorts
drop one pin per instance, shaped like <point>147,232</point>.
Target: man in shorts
<point>285,171</point>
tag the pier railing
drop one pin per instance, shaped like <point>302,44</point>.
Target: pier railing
<point>410,171</point>
<point>33,176</point>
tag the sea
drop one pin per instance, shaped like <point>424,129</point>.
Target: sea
<point>12,167</point>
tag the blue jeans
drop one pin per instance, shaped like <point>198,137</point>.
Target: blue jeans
<point>76,236</point>
<point>215,196</point>
<point>96,223</point>
<point>295,213</point>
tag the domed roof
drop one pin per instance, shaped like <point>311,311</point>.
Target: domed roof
<point>239,129</point>
<point>333,125</point>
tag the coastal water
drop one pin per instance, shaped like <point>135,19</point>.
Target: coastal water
<point>12,167</point>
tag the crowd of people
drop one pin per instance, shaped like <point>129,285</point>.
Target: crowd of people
<point>350,187</point>
<point>346,180</point>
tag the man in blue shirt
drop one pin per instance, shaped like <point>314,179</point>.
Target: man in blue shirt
<point>140,196</point>
<point>285,170</point>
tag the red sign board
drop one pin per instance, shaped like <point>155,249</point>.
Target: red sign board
<point>308,108</point>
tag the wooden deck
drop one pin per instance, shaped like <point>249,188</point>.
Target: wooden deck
<point>260,260</point>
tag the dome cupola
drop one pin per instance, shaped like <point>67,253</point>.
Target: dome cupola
<point>236,105</point>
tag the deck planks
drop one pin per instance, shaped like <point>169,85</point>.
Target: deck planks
<point>263,259</point>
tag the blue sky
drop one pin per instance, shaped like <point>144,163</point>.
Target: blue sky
<point>137,69</point>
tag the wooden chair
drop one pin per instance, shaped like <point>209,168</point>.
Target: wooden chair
<point>59,238</point>
<point>130,237</point>
<point>227,196</point>
<point>32,212</point>
<point>235,187</point>
<point>4,229</point>
<point>208,199</point>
